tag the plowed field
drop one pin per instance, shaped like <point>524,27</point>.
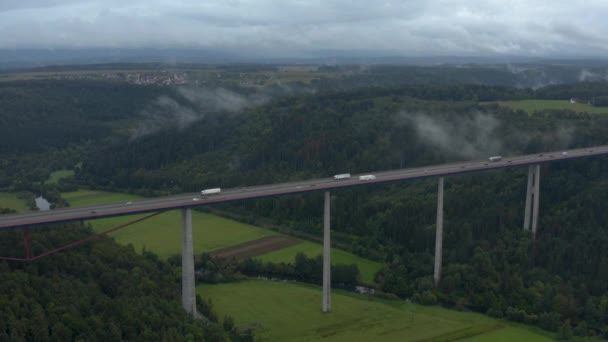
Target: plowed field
<point>254,248</point>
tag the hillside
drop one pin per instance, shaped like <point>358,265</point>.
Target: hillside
<point>96,292</point>
<point>170,140</point>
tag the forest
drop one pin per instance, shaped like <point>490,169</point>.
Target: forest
<point>558,281</point>
<point>96,292</point>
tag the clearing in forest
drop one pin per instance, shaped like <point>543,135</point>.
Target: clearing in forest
<point>11,200</point>
<point>162,234</point>
<point>367,268</point>
<point>292,312</point>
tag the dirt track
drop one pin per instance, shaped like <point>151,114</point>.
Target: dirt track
<point>256,247</point>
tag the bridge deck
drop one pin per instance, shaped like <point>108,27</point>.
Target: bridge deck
<point>237,194</point>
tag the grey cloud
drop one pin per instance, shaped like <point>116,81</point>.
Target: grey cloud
<point>470,137</point>
<point>164,113</point>
<point>192,105</point>
<point>221,99</point>
<point>433,27</point>
<point>13,5</point>
<point>475,135</point>
<point>590,76</point>
<point>572,32</point>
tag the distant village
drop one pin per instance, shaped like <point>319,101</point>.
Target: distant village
<point>150,78</point>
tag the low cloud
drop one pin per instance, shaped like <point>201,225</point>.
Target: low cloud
<point>559,138</point>
<point>469,137</point>
<point>479,135</point>
<point>220,99</point>
<point>586,75</point>
<point>191,105</point>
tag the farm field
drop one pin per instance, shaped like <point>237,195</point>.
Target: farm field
<point>10,200</point>
<point>531,106</point>
<point>367,267</point>
<point>59,174</point>
<point>255,247</point>
<point>162,234</point>
<point>509,334</point>
<point>291,312</point>
<point>90,197</point>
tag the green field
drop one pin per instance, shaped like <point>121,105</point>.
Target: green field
<point>292,312</point>
<point>509,334</point>
<point>531,106</point>
<point>59,174</point>
<point>367,267</point>
<point>91,197</point>
<point>10,200</point>
<point>162,234</point>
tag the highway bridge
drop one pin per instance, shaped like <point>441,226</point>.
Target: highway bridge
<point>189,200</point>
<point>323,184</point>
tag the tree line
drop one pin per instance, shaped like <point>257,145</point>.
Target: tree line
<point>303,268</point>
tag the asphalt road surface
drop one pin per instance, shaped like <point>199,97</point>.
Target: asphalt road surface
<point>236,194</point>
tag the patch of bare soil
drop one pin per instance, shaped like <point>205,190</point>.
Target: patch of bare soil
<point>255,247</point>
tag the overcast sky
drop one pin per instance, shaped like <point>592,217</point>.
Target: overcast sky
<point>281,27</point>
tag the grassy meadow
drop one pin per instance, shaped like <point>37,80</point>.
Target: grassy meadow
<point>367,267</point>
<point>10,200</point>
<point>531,106</point>
<point>162,234</point>
<point>59,174</point>
<point>292,312</point>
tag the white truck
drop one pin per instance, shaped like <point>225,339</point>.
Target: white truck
<point>495,158</point>
<point>367,177</point>
<point>211,191</point>
<point>342,176</point>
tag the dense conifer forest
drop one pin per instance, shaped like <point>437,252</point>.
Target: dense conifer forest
<point>96,292</point>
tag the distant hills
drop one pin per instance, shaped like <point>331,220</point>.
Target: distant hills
<point>32,58</point>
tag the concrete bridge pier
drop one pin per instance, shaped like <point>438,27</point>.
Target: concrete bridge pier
<point>532,199</point>
<point>439,234</point>
<point>326,306</point>
<point>188,287</point>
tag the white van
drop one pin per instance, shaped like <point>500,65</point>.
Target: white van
<point>367,177</point>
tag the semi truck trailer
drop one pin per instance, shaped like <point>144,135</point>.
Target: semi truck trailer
<point>342,176</point>
<point>211,191</point>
